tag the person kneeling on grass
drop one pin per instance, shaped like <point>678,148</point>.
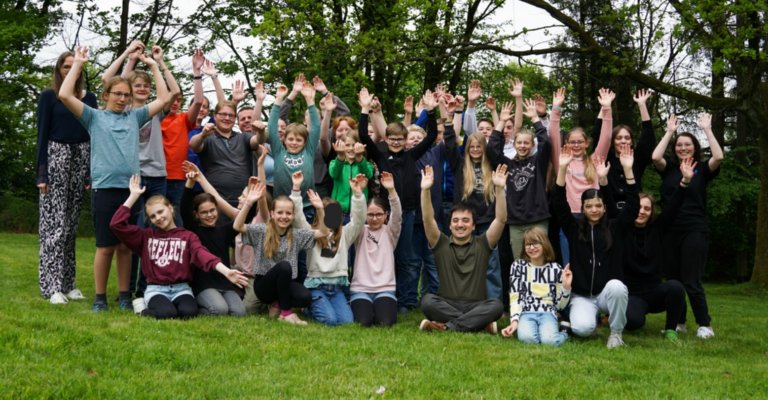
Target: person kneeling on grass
<point>167,256</point>
<point>461,303</point>
<point>538,288</point>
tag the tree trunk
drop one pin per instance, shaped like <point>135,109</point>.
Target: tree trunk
<point>760,121</point>
<point>123,27</point>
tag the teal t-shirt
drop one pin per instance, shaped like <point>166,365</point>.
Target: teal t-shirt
<point>114,145</point>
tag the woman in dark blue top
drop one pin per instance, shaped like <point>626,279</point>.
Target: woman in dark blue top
<point>63,160</point>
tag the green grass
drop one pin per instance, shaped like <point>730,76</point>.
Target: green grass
<point>68,352</point>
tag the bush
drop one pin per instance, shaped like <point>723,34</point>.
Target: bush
<point>21,215</point>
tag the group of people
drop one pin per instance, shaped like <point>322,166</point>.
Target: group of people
<point>325,215</point>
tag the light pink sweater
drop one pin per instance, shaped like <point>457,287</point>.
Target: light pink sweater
<point>375,254</point>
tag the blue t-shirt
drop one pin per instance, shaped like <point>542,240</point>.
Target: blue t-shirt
<point>114,145</point>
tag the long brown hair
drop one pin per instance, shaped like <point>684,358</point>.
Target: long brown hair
<point>469,171</point>
<point>272,237</point>
<point>58,79</point>
<point>323,241</point>
<point>536,234</point>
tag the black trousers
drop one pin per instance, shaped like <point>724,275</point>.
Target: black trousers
<point>161,307</point>
<point>277,284</point>
<point>685,259</point>
<point>666,297</point>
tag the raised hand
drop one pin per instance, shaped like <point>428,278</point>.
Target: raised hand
<point>359,149</point>
<point>704,121</point>
<point>258,125</point>
<point>688,169</point>
<point>672,123</point>
<point>308,92</point>
<point>259,91</point>
<point>558,98</point>
<point>135,186</point>
<point>602,167</point>
<point>198,59</point>
<point>567,277</point>
<point>358,183</point>
<point>408,105</point>
<point>136,45</point>
<point>509,330</point>
<point>297,179</point>
<point>451,104</point>
<point>427,177</point>
<point>375,105</point>
<point>430,101</point>
<point>298,83</point>
<point>209,68</point>
<point>81,54</point>
<point>188,166</point>
<point>490,102</point>
<point>506,111</point>
<point>364,98</point>
<point>149,61</point>
<point>530,109</point>
<point>499,177</point>
<point>208,129</point>
<point>605,97</point>
<point>565,156</point>
<point>238,91</point>
<point>340,148</point>
<point>327,103</point>
<point>459,102</point>
<point>315,199</point>
<point>627,156</point>
<point>387,180</point>
<point>318,84</point>
<point>516,88</point>
<point>280,93</point>
<point>642,96</point>
<point>474,91</point>
<point>157,53</point>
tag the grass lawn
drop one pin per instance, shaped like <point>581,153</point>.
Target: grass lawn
<point>68,352</point>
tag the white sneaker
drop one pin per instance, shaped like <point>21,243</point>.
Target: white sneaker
<point>705,332</point>
<point>75,294</point>
<point>139,305</point>
<point>58,298</point>
<point>614,340</point>
<point>292,318</point>
<point>681,328</point>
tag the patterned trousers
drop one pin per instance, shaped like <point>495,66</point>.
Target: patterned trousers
<point>68,167</point>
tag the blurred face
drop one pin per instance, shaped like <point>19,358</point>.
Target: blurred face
<point>349,148</point>
<point>645,212</point>
<point>440,133</point>
<point>204,109</point>
<point>509,129</point>
<point>684,147</point>
<point>485,128</point>
<point>118,97</point>
<point>577,143</point>
<point>396,143</point>
<point>141,90</point>
<point>534,249</point>
<point>372,133</point>
<point>475,151</point>
<point>244,120</point>
<point>176,104</point>
<point>523,144</point>
<point>414,138</point>
<point>375,217</point>
<point>225,119</point>
<point>283,214</point>
<point>462,225</point>
<point>66,66</point>
<point>281,129</point>
<point>342,130</point>
<point>207,214</point>
<point>593,210</point>
<point>161,216</point>
<point>622,138</point>
<point>294,143</point>
<point>541,108</point>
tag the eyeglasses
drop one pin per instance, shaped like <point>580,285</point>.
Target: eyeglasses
<point>225,115</point>
<point>376,215</point>
<point>532,245</point>
<point>121,95</point>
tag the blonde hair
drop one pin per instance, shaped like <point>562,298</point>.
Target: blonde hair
<point>159,199</point>
<point>469,171</point>
<point>524,131</point>
<point>590,173</point>
<point>272,236</point>
<point>297,129</point>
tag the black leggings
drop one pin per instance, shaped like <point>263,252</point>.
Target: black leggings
<point>383,311</point>
<point>161,307</point>
<point>666,297</point>
<point>685,259</point>
<point>277,284</point>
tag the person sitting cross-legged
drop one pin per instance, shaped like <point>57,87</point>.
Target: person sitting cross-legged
<point>461,303</point>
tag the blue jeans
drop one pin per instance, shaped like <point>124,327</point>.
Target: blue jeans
<point>429,279</point>
<point>329,305</point>
<point>154,186</point>
<point>407,264</point>
<point>174,191</point>
<point>540,328</point>
<point>493,278</point>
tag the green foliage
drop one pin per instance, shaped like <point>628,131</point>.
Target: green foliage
<point>67,352</point>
